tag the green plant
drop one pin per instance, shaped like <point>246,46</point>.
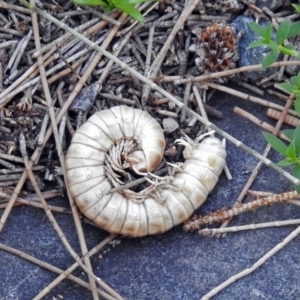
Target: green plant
<point>296,7</point>
<point>291,152</point>
<point>286,30</point>
<point>126,6</point>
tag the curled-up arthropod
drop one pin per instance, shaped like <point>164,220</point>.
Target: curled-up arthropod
<point>135,140</point>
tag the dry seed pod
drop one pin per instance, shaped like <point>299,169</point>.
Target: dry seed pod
<point>216,47</point>
<point>288,119</point>
<point>90,178</point>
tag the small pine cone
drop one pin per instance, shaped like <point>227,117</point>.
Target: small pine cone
<point>216,48</point>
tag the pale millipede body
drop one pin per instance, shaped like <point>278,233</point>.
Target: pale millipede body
<point>139,139</point>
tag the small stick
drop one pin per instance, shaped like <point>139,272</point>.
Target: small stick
<point>187,92</point>
<point>213,231</point>
<point>116,54</point>
<point>15,7</point>
<point>118,98</point>
<point>258,122</point>
<point>68,70</point>
<point>66,273</point>
<point>279,95</point>
<point>255,266</point>
<point>166,113</point>
<point>64,38</point>
<point>295,202</point>
<point>149,51</point>
<point>59,271</point>
<point>103,16</point>
<point>43,129</point>
<point>39,205</point>
<point>32,197</point>
<point>7,164</point>
<point>155,67</point>
<point>47,211</point>
<point>20,170</point>
<point>87,267</point>
<point>7,44</point>
<point>260,164</point>
<point>23,45</point>
<point>8,183</point>
<point>15,57</point>
<point>172,98</point>
<point>200,103</point>
<point>203,113</point>
<point>58,118</point>
<point>211,76</point>
<point>61,103</point>
<point>247,97</point>
<point>250,87</point>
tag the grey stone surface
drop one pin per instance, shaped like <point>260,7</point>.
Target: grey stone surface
<point>174,265</point>
<point>251,56</point>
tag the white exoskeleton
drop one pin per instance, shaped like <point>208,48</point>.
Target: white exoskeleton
<point>133,139</point>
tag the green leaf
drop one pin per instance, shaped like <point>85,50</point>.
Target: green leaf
<point>289,133</point>
<point>297,140</point>
<point>268,33</point>
<point>297,105</point>
<point>297,8</point>
<point>276,143</point>
<point>283,31</point>
<point>270,58</point>
<point>285,163</point>
<point>288,87</point>
<point>291,151</point>
<point>294,29</point>
<point>293,80</point>
<point>259,30</point>
<point>296,173</point>
<point>90,2</point>
<point>298,80</point>
<point>131,11</point>
<point>256,44</point>
<point>138,1</point>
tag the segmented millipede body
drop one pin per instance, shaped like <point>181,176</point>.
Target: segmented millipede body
<point>138,138</point>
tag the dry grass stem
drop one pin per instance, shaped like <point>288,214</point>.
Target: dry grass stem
<point>163,92</point>
<point>224,214</point>
<point>213,231</point>
<point>258,122</point>
<point>256,265</point>
<point>258,167</point>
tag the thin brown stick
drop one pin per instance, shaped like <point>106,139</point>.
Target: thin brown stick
<point>258,122</point>
<point>52,268</point>
<point>256,265</point>
<point>260,164</point>
<point>64,275</point>
<point>44,203</point>
<point>247,97</point>
<point>61,158</point>
<point>155,67</point>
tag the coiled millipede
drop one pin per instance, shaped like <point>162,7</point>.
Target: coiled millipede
<point>131,134</point>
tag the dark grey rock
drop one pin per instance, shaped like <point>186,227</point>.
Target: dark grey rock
<point>175,265</point>
<point>251,56</point>
<point>271,4</point>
